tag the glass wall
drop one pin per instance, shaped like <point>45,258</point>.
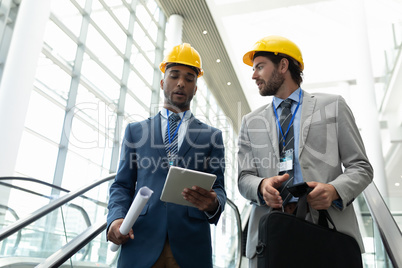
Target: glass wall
<point>95,75</point>
<point>96,66</point>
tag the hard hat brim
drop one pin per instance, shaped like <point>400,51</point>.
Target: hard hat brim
<point>162,67</point>
<point>248,58</point>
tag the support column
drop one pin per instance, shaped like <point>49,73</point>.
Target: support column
<point>368,121</point>
<point>174,33</point>
<point>18,77</point>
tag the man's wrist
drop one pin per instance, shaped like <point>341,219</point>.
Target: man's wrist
<point>216,206</point>
<point>335,195</point>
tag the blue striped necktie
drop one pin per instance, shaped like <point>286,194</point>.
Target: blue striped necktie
<point>285,118</point>
<point>172,146</point>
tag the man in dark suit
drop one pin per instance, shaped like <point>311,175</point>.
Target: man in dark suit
<point>167,234</point>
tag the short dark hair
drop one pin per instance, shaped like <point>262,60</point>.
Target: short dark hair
<point>294,67</point>
<point>195,69</point>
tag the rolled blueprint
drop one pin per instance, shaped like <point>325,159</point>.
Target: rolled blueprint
<point>136,207</point>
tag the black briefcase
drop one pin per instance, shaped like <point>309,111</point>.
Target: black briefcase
<point>287,240</point>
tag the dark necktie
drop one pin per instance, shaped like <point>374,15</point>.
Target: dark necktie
<point>284,120</point>
<point>172,146</point>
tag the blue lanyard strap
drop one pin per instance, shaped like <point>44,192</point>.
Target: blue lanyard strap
<point>291,120</point>
<point>177,129</point>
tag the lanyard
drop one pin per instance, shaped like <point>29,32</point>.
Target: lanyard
<point>177,129</point>
<point>291,120</point>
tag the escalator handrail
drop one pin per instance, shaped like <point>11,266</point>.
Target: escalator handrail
<point>33,180</point>
<point>44,183</point>
<point>24,190</point>
<point>68,250</point>
<point>79,208</point>
<point>239,231</point>
<point>11,229</point>
<point>390,233</point>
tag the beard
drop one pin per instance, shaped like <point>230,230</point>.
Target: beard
<point>271,87</point>
<point>176,105</point>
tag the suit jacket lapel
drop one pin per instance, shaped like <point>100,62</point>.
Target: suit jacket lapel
<point>306,117</point>
<point>156,135</point>
<point>192,134</point>
<point>272,131</point>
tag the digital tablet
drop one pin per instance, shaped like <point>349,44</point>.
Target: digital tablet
<point>179,178</point>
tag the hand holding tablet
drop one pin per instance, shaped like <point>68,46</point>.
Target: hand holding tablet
<point>180,178</point>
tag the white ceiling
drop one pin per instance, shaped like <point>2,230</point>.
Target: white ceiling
<point>323,30</point>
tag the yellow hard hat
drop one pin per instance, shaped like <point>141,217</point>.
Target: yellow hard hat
<point>183,54</point>
<point>276,44</point>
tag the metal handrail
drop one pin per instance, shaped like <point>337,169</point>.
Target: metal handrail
<point>44,183</point>
<point>239,231</point>
<point>68,250</point>
<point>9,230</point>
<point>391,235</point>
<point>33,180</point>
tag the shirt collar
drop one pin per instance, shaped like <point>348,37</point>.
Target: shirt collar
<point>163,113</point>
<point>294,96</point>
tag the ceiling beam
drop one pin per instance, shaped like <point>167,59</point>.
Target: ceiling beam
<point>251,6</point>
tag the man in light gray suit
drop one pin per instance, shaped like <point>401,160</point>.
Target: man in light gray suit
<point>327,151</point>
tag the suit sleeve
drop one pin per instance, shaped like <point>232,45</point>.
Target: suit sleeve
<point>123,188</point>
<point>358,173</point>
<point>216,165</point>
<point>248,179</point>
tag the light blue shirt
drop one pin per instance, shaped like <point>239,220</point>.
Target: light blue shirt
<point>298,176</point>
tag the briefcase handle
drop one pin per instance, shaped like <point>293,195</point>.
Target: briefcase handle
<point>301,212</point>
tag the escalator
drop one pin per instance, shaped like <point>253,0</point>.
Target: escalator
<point>57,218</point>
<point>69,231</point>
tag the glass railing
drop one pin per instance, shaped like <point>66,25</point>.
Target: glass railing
<point>21,196</point>
<point>93,241</point>
<point>29,236</point>
<point>226,245</point>
<point>381,234</point>
<point>74,234</point>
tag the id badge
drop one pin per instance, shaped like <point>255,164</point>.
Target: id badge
<point>172,160</point>
<point>286,161</point>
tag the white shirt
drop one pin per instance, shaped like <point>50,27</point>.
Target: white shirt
<point>182,129</point>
